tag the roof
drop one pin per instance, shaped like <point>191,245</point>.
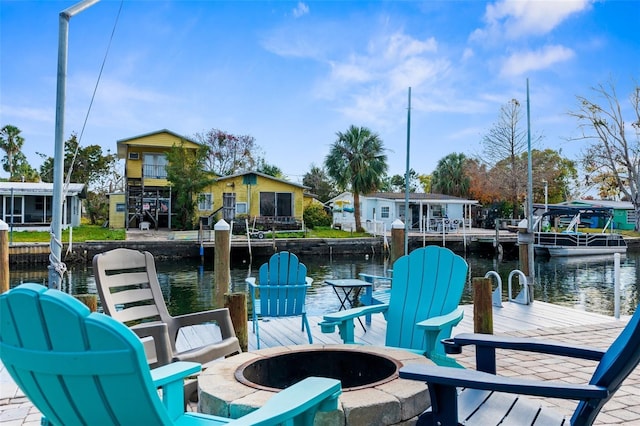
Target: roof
<point>125,141</point>
<point>264,176</point>
<point>36,188</point>
<point>421,196</point>
<point>621,205</point>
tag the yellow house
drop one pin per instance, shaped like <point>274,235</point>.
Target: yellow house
<point>147,191</point>
<point>254,195</point>
<point>148,197</point>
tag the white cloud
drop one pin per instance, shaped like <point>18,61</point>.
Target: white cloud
<point>517,18</point>
<point>20,113</point>
<point>522,62</point>
<point>300,10</point>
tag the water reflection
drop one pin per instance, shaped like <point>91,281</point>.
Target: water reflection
<point>586,282</point>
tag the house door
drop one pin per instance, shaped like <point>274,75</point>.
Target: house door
<point>228,206</point>
<point>18,209</point>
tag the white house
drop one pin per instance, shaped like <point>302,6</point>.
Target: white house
<point>28,205</point>
<point>428,212</point>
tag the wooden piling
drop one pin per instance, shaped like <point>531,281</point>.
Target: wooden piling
<point>482,307</point>
<point>397,240</point>
<point>237,305</point>
<point>221,262</point>
<point>4,257</point>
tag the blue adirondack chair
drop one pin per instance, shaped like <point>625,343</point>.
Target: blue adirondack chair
<point>281,291</point>
<point>79,368</point>
<point>426,289</point>
<point>489,399</point>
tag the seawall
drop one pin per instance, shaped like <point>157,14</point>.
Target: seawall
<point>38,253</point>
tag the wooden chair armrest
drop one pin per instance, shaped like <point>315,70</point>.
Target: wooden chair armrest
<point>441,321</point>
<point>296,403</point>
<point>160,334</point>
<point>221,316</point>
<point>170,378</point>
<point>457,377</point>
<point>353,313</point>
<point>526,344</point>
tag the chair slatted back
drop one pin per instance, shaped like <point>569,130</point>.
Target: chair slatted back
<point>128,286</point>
<point>282,284</point>
<point>426,283</point>
<point>76,367</point>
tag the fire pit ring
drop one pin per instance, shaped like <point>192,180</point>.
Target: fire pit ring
<point>355,369</point>
<point>385,401</point>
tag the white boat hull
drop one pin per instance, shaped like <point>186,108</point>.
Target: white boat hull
<point>584,251</point>
<point>578,244</point>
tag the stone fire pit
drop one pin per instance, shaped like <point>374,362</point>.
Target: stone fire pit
<point>373,394</point>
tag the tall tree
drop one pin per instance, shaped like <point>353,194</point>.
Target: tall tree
<point>503,145</point>
<point>90,165</point>
<point>613,153</point>
<point>22,170</point>
<point>319,182</point>
<point>188,177</point>
<point>450,178</point>
<point>11,143</point>
<point>396,183</point>
<point>425,183</point>
<point>357,163</point>
<point>270,169</point>
<point>227,153</point>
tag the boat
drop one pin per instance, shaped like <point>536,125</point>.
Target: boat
<point>573,242</point>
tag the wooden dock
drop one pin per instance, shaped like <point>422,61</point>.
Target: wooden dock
<point>539,320</point>
<point>512,317</point>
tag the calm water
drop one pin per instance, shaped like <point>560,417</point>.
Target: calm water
<point>585,282</point>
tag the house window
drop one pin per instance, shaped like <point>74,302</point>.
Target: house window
<point>384,212</point>
<point>205,201</point>
<point>241,208</point>
<point>631,217</point>
<point>155,166</point>
<point>228,206</point>
<point>276,204</point>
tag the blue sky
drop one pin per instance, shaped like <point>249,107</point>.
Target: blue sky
<point>292,74</point>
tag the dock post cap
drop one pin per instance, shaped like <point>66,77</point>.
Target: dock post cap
<point>221,225</point>
<point>523,225</point>
<point>3,225</point>
<point>397,224</point>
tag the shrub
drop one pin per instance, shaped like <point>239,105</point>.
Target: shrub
<point>316,215</point>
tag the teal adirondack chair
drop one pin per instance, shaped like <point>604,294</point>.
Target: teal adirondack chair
<point>426,289</point>
<point>79,368</point>
<point>281,291</point>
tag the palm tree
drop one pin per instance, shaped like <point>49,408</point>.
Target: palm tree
<point>356,162</point>
<point>10,142</point>
<point>449,177</point>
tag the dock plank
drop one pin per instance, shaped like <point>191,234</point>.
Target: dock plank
<point>511,317</point>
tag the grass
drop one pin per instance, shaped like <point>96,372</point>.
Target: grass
<point>322,232</point>
<point>98,233</point>
<point>80,234</point>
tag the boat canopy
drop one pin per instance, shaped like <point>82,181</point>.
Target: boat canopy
<point>585,212</point>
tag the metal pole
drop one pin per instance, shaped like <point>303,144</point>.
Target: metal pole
<point>406,181</point>
<point>55,277</point>
<point>530,278</point>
